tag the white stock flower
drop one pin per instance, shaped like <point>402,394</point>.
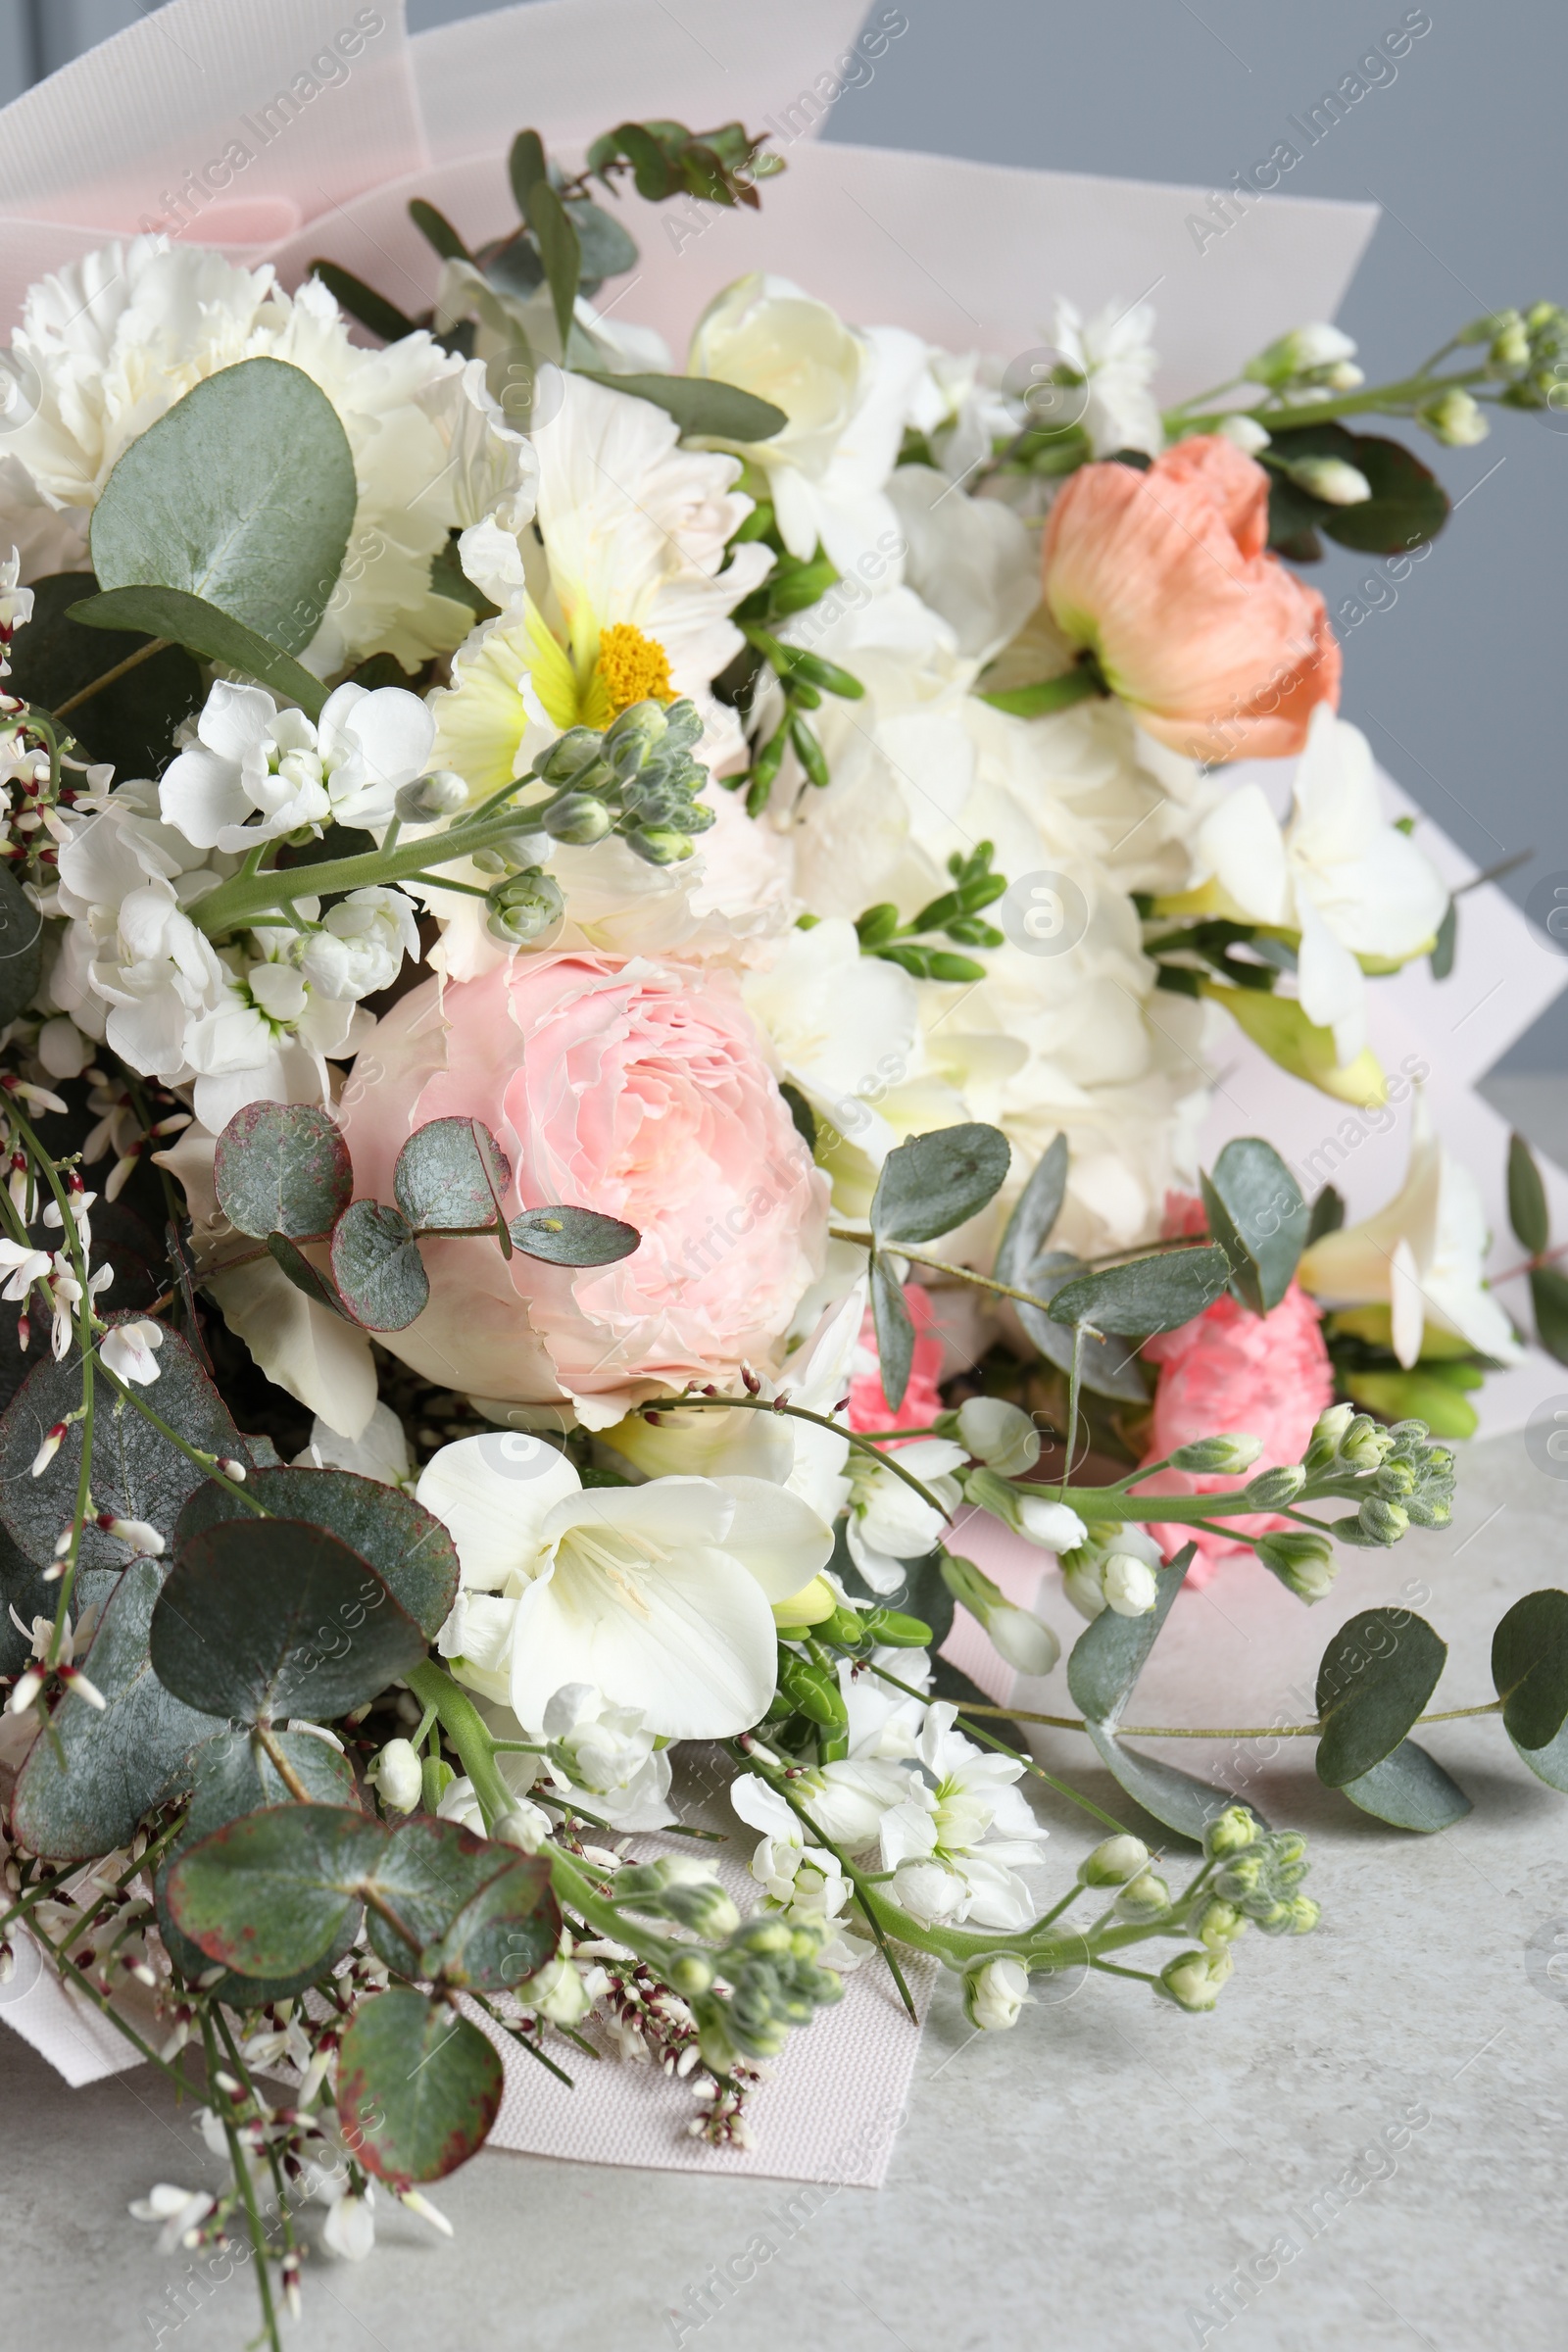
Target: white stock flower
<point>268,1036</point>
<point>251,761</point>
<point>889,1523</point>
<point>939,1841</point>
<point>803,1882</point>
<point>608,1754</point>
<point>1113,350</point>
<point>658,1595</point>
<point>128,1351</point>
<point>846,391</point>
<point>362,942</point>
<point>157,973</point>
<point>117,337</point>
<point>995,1993</point>
<point>1356,887</point>
<point>1424,1255</point>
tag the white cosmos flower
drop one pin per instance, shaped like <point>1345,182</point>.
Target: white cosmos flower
<point>1352,885</point>
<point>1424,1255</point>
<point>658,1595</point>
<point>115,338</point>
<point>1112,349</point>
<point>255,771</point>
<point>847,392</point>
<point>620,590</point>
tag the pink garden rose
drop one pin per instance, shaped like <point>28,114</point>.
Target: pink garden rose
<point>1166,576</point>
<point>637,1087</point>
<point>1231,1371</point>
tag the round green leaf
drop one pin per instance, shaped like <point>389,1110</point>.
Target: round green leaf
<point>935,1183</point>
<point>243,494</point>
<point>1376,1677</point>
<point>1183,1803</point>
<point>573,1237</point>
<point>377,1267</point>
<point>1258,1215</point>
<point>405,1544</point>
<point>282,1167</point>
<point>1550,1763</point>
<point>474,1914</point>
<point>89,1779</point>
<point>1530,1668</point>
<point>417,2087</point>
<point>1410,1789</point>
<point>702,406</point>
<point>269,1894</point>
<point>266,1618</point>
<point>1152,1294</point>
<point>451,1173</point>
<point>1107,1367</point>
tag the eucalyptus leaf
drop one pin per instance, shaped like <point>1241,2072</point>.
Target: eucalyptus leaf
<point>476,1915</point>
<point>894,1331</point>
<point>525,164</point>
<point>1446,942</point>
<point>1550,1762</point>
<point>132,723</point>
<point>1530,1668</point>
<point>377,1267</point>
<point>406,1544</point>
<point>607,250</point>
<point>191,621</point>
<point>1258,1215</point>
<point>268,1618</point>
<point>1410,1789</point>
<point>1110,1653</point>
<point>242,494</point>
<point>573,1237</point>
<point>1150,1294</point>
<point>88,1779</point>
<point>935,1183</point>
<point>1375,1679</point>
<point>1107,1367</point>
<point>701,404</point>
<point>1175,1799</point>
<point>1527,1198</point>
<point>293,1262</point>
<point>437,231</point>
<point>269,1894</point>
<point>137,1473</point>
<point>558,250</point>
<point>1548,1298</point>
<point>1030,1225</point>
<point>282,1167</point>
<point>451,1173</point>
<point>362,301</point>
<point>417,2086</point>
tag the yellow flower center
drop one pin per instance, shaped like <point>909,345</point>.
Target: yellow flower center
<point>634,668</point>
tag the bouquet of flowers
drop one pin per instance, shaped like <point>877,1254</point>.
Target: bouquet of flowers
<point>609,975</point>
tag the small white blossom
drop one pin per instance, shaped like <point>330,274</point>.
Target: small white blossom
<point>254,773</point>
<point>127,1352</point>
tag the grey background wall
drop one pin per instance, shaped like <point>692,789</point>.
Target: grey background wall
<point>1459,684</point>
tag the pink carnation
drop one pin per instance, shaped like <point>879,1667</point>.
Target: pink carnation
<point>633,1086</point>
<point>922,1400</point>
<point>1229,1371</point>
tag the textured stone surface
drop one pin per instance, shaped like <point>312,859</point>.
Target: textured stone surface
<point>1087,2182</point>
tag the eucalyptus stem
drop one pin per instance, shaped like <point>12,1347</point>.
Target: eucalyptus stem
<point>799,1412</point>
<point>245,2186</point>
<point>143,653</point>
<point>1231,1731</point>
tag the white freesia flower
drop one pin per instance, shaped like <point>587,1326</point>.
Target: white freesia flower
<point>889,1522</point>
<point>380,1450</point>
<point>255,771</point>
<point>658,1595</point>
<point>1353,886</point>
<point>1424,1255</point>
<point>128,1351</point>
<point>1113,350</point>
<point>115,338</point>
<point>846,391</point>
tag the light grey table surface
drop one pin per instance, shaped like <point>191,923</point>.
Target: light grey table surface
<point>1091,2179</point>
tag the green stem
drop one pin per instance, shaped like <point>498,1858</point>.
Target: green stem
<point>1181,1731</point>
<point>799,1412</point>
<point>143,653</point>
<point>965,1716</point>
<point>245,2186</point>
<point>204,1461</point>
<point>237,903</point>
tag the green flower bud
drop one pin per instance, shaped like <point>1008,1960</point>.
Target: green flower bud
<point>706,1909</point>
<point>1364,1445</point>
<point>1305,1915</point>
<point>691,1974</point>
<point>1383,1522</point>
<point>569,755</point>
<point>1193,1980</point>
<point>1332,479</point>
<point>812,1691</point>
<point>1230,1833</point>
<point>658,845</point>
<point>1241,1879</point>
<point>442,792</point>
<point>1395,1480</point>
<point>994,1993</point>
<point>1511,347</point>
<point>1220,1924</point>
<point>1144,1897</point>
<point>1453,418</point>
<point>523,908</point>
<point>641,723</point>
<point>1328,1428</point>
<point>1302,1560</point>
<point>762,1935</point>
<point>1272,1490</point>
<point>1211,1455</point>
<point>1296,354</point>
<point>889,1628</point>
<point>577,817</point>
<point>1113,1862</point>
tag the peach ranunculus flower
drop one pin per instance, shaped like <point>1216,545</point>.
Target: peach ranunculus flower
<point>1164,577</point>
<point>1263,1376</point>
<point>634,1087</point>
